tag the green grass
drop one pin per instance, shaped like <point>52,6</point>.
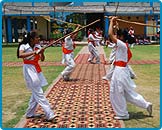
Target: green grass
<point>51,54</point>
<point>15,95</point>
<point>55,53</point>
<point>146,52</point>
<point>142,52</point>
<point>148,85</point>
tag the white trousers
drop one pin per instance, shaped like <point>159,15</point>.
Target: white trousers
<point>110,71</point>
<point>97,42</point>
<point>93,53</point>
<point>38,97</point>
<point>122,90</point>
<point>69,61</point>
<point>35,81</point>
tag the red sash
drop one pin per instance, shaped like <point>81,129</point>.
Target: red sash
<point>66,51</point>
<point>91,41</point>
<point>34,62</point>
<point>122,63</point>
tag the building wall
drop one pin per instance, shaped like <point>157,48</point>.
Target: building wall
<point>42,27</point>
<point>139,30</point>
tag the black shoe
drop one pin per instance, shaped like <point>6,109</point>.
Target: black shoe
<point>66,78</point>
<point>34,116</point>
<point>149,109</point>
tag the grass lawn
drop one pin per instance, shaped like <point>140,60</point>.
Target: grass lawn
<point>142,52</point>
<point>15,95</point>
<point>51,54</point>
<point>148,85</point>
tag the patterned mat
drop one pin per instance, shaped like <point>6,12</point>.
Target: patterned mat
<point>82,102</point>
<point>78,104</point>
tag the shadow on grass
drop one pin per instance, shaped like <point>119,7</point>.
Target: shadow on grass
<point>140,115</point>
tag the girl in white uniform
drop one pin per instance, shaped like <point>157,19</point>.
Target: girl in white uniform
<point>121,85</point>
<point>110,71</point>
<point>68,55</point>
<point>31,52</point>
<point>98,35</point>
<point>111,61</point>
<point>92,47</point>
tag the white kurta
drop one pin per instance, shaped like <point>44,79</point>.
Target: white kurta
<point>35,81</point>
<point>31,76</point>
<point>92,49</point>
<point>68,59</point>
<point>98,40</point>
<point>122,86</point>
<point>112,60</point>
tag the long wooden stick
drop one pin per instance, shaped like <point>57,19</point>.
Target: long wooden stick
<point>48,18</point>
<point>65,22</point>
<point>137,23</point>
<point>53,42</point>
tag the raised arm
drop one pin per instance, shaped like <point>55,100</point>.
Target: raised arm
<point>98,37</point>
<point>73,36</point>
<point>42,56</point>
<point>23,54</point>
<point>111,33</point>
<point>93,37</point>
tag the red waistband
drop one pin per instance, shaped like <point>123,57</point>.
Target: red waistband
<point>120,63</point>
<point>91,41</point>
<point>35,63</point>
<point>66,51</point>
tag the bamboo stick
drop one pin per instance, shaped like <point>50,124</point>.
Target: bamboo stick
<point>66,22</point>
<point>137,23</point>
<point>53,42</point>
